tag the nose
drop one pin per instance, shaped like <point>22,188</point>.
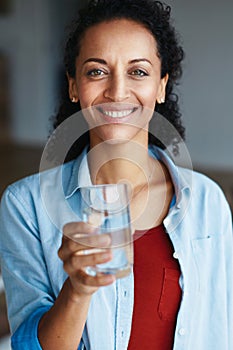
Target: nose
<point>117,89</point>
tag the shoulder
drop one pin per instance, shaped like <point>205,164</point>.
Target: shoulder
<point>205,192</point>
<point>31,184</point>
<point>207,200</point>
<point>27,192</point>
<point>183,177</point>
<point>202,185</point>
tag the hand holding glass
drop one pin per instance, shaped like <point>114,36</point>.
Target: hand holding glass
<point>106,207</point>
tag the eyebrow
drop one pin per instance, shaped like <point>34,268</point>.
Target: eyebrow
<point>137,60</point>
<point>100,60</point>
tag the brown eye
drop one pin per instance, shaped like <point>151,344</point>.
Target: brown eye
<point>95,72</point>
<point>139,73</point>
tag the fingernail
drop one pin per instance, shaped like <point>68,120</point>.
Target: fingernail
<point>110,278</point>
<point>105,240</point>
<point>107,255</point>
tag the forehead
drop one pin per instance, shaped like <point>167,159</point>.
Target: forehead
<point>119,34</point>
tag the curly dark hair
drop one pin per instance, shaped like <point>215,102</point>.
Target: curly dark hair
<point>153,15</point>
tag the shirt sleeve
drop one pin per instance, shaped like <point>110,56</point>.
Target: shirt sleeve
<point>28,290</point>
<point>228,231</point>
<point>25,336</point>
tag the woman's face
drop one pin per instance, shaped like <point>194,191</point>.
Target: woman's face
<point>118,81</point>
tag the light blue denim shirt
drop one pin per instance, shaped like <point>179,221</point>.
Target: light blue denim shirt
<point>199,225</point>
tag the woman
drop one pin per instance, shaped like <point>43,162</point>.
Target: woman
<point>122,61</point>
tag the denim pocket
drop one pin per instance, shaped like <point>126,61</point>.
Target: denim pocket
<point>170,296</point>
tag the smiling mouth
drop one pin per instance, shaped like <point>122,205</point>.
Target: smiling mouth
<point>117,113</point>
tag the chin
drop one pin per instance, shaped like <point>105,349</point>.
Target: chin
<point>117,141</point>
<point>117,134</point>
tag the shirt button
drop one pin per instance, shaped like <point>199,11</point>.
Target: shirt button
<point>181,331</point>
<point>176,255</point>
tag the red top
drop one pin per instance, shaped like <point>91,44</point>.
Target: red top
<point>157,293</point>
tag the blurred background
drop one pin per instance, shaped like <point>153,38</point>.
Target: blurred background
<point>32,34</point>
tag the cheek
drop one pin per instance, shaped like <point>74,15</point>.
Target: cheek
<point>84,98</point>
<point>148,96</point>
<point>87,93</point>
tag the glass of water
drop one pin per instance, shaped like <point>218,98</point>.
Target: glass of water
<point>106,207</point>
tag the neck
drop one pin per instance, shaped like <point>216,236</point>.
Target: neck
<point>126,162</point>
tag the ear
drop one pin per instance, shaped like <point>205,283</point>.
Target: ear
<point>73,90</point>
<point>161,96</point>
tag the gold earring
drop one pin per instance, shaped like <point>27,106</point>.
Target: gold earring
<point>73,100</point>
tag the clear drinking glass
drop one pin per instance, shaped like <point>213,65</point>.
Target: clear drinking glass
<point>106,207</point>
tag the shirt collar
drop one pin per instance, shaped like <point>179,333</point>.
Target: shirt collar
<point>80,174</point>
<point>181,178</point>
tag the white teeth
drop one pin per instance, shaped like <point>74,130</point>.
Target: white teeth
<point>118,114</point>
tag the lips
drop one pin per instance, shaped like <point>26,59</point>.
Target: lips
<point>117,113</point>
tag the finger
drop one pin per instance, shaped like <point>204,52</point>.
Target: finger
<point>90,251</point>
<point>85,234</point>
<point>74,227</point>
<point>78,262</point>
<point>99,280</point>
<point>83,242</point>
<point>91,240</point>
